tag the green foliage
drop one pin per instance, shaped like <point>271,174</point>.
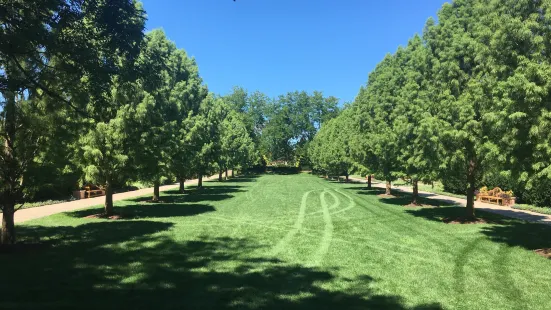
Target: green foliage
<point>330,149</point>
<point>292,122</point>
<point>56,55</point>
<point>202,136</point>
<point>376,143</point>
<point>539,192</point>
<point>466,102</point>
<point>236,145</point>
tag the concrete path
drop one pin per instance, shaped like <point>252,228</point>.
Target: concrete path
<point>38,212</point>
<point>502,210</point>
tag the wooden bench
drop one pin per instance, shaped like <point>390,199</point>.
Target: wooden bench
<point>495,196</point>
<point>93,191</point>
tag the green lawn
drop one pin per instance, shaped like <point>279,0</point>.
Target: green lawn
<point>280,242</point>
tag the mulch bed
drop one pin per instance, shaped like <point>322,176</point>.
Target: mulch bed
<point>462,220</point>
<point>105,217</point>
<point>386,196</point>
<point>544,252</point>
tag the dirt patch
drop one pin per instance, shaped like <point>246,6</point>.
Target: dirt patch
<point>544,252</point>
<point>462,220</point>
<point>419,205</point>
<point>386,196</point>
<point>23,248</point>
<point>105,216</point>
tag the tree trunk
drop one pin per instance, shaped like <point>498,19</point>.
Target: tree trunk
<point>8,226</point>
<point>182,181</point>
<point>369,181</point>
<point>232,172</point>
<point>226,174</point>
<point>200,181</point>
<point>156,194</point>
<point>108,198</point>
<point>388,188</point>
<point>415,191</point>
<point>11,186</point>
<point>347,179</point>
<point>220,175</point>
<point>471,178</point>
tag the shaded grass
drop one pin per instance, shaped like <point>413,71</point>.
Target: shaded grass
<point>277,242</point>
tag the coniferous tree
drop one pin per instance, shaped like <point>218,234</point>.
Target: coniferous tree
<point>63,53</point>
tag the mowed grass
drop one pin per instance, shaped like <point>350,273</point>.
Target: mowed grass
<point>279,242</point>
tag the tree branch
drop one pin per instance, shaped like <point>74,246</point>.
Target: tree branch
<point>48,91</point>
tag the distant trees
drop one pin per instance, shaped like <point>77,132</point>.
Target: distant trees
<point>470,99</point>
<point>292,120</point>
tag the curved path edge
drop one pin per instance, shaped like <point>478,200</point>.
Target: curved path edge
<point>525,215</point>
<point>38,212</point>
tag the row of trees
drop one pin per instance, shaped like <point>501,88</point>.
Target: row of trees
<point>470,98</point>
<point>85,94</point>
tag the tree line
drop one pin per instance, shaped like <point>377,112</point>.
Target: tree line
<point>467,102</point>
<point>88,97</point>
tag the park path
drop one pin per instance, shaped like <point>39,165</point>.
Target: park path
<point>501,210</point>
<point>38,212</point>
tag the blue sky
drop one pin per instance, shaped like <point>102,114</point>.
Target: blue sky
<point>277,46</point>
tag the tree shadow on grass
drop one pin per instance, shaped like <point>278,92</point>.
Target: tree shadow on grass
<point>514,213</point>
<point>374,191</point>
<point>149,210</point>
<point>123,265</point>
<point>453,212</point>
<point>405,199</point>
<point>513,232</point>
<point>217,189</point>
<point>214,193</point>
<point>402,198</point>
<point>530,236</point>
<point>244,179</point>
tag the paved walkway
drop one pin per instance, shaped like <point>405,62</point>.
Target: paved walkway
<point>38,212</point>
<point>502,210</point>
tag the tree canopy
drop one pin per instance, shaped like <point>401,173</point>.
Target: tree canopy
<point>467,100</point>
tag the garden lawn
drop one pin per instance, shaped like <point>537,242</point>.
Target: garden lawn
<point>280,242</point>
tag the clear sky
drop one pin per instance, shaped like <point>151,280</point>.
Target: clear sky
<point>277,46</point>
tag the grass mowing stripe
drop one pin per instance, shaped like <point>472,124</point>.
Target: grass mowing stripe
<point>505,284</point>
<point>327,232</point>
<point>335,205</point>
<point>351,204</point>
<point>384,249</point>
<point>298,225</point>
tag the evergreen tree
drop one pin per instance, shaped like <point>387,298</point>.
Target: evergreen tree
<point>416,125</point>
<point>67,51</point>
<point>377,146</point>
<point>169,77</point>
<point>203,137</point>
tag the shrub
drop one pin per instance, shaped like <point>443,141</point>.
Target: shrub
<point>540,192</point>
<point>455,182</point>
<point>284,170</point>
